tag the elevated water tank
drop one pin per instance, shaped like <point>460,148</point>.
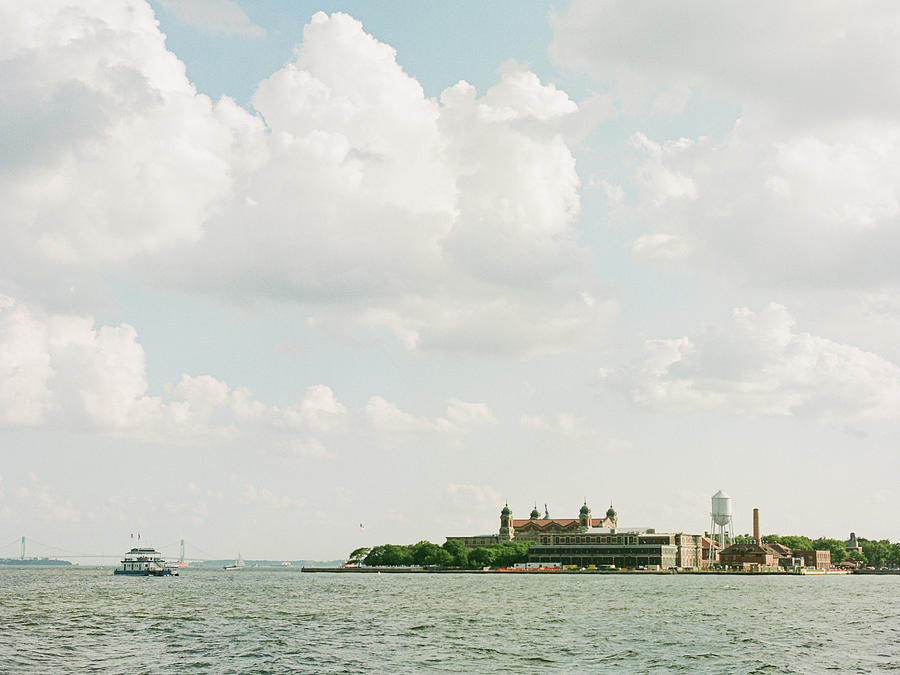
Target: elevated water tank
<point>721,508</point>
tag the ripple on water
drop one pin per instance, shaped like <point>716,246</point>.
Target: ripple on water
<point>72,620</point>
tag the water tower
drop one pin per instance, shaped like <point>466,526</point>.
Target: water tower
<point>721,522</point>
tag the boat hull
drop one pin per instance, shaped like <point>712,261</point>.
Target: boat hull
<point>146,573</point>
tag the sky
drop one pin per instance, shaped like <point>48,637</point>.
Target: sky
<point>290,278</point>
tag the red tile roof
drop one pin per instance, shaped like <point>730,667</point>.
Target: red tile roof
<point>561,522</point>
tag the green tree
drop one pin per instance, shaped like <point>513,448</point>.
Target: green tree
<point>793,542</point>
<point>877,552</point>
<point>458,552</point>
<point>358,555</point>
<point>427,554</point>
<point>482,556</point>
<point>388,555</point>
<point>511,552</point>
<point>398,556</point>
<point>893,558</point>
<point>375,557</point>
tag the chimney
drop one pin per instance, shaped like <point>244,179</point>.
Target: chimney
<point>756,526</point>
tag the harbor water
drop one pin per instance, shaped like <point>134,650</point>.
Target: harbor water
<point>74,620</point>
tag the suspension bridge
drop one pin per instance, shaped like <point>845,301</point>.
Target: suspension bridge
<point>29,549</point>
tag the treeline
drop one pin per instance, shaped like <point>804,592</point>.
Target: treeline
<point>875,553</point>
<point>453,554</point>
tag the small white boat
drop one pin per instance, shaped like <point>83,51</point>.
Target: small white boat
<point>238,564</point>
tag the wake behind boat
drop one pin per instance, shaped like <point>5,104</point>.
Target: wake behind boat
<point>145,562</point>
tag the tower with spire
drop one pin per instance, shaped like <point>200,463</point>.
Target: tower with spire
<point>507,530</point>
<point>584,515</point>
<point>612,518</point>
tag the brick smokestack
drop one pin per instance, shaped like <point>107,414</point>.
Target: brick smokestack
<point>756,526</point>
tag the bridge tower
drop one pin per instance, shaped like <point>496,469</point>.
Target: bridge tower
<point>181,558</point>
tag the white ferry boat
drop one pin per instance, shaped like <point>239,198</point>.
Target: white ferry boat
<point>145,562</point>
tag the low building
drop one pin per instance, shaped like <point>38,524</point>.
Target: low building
<point>749,555</point>
<point>755,553</point>
<point>781,549</point>
<point>601,547</point>
<point>819,560</point>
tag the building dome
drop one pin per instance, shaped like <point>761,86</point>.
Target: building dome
<point>506,511</point>
<point>585,509</point>
<point>535,514</point>
<point>610,512</point>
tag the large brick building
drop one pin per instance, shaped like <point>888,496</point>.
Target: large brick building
<point>585,541</point>
<point>535,527</point>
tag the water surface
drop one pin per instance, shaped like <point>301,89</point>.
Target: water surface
<point>275,621</point>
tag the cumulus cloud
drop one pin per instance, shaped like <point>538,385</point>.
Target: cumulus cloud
<point>461,417</point>
<point>393,193</point>
<point>62,370</point>
<point>760,364</point>
<point>348,191</point>
<point>802,191</point>
<point>812,209</point>
<point>318,410</point>
<point>108,151</point>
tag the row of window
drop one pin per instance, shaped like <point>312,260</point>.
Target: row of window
<point>620,561</point>
<point>631,550</point>
<point>590,540</point>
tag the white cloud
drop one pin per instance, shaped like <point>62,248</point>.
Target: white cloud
<point>769,209</point>
<point>61,370</point>
<point>808,61</point>
<point>564,423</point>
<point>65,365</point>
<point>383,415</point>
<point>24,365</point>
<point>318,410</point>
<point>521,95</point>
<point>352,194</point>
<point>759,364</point>
<point>461,417</point>
<point>802,192</point>
<point>214,16</point>
<point>109,151</point>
